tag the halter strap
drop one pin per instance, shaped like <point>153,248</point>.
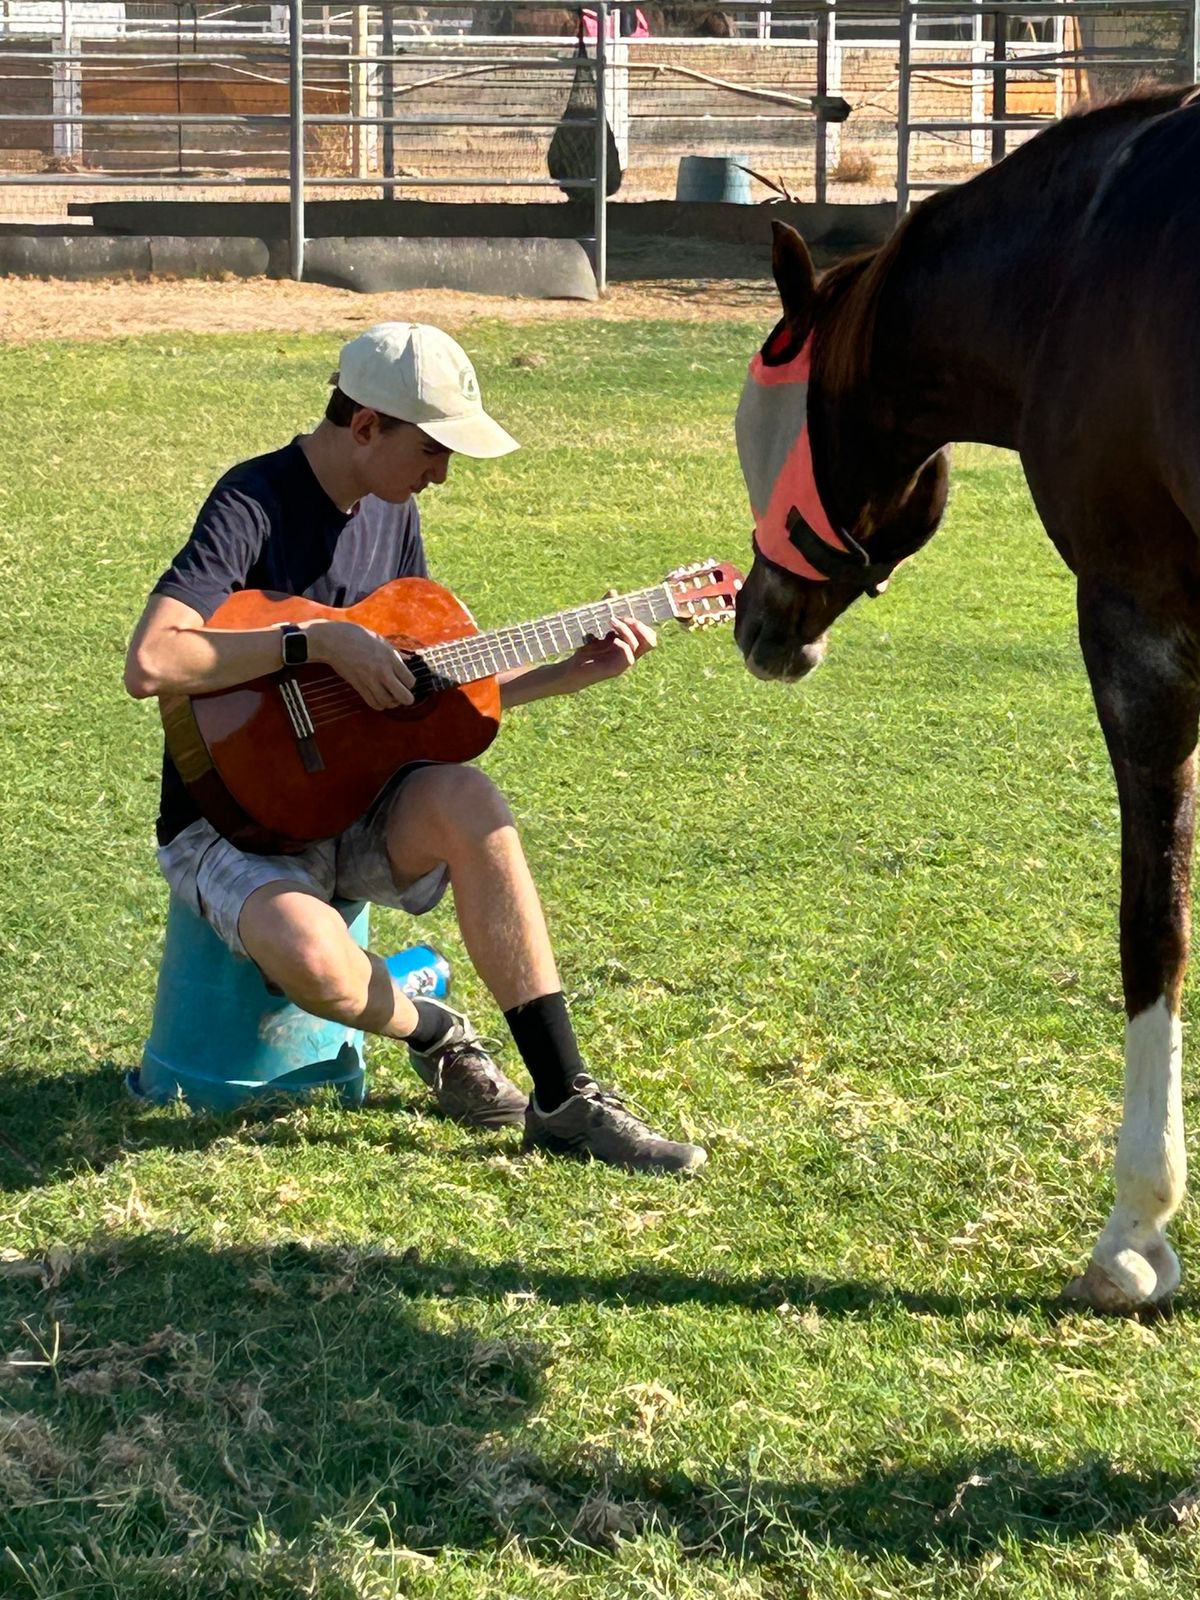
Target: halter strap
<point>792,529</point>
<point>851,564</point>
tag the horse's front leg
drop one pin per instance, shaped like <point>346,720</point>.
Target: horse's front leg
<point>1143,680</point>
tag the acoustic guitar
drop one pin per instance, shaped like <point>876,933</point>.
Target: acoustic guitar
<point>299,755</point>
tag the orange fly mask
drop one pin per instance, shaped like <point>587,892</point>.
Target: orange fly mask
<point>792,529</point>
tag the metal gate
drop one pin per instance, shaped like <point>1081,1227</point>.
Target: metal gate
<point>1087,49</point>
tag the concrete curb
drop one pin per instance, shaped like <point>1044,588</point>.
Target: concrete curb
<point>850,226</point>
<point>539,269</point>
<point>77,256</point>
<point>208,257</point>
<point>542,269</point>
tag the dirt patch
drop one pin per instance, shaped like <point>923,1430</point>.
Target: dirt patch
<point>33,309</point>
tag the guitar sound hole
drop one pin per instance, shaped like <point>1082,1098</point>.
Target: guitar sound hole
<point>428,681</point>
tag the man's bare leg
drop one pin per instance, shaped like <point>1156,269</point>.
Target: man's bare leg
<point>457,816</point>
<point>304,947</point>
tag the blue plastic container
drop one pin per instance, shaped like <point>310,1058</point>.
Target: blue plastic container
<point>220,1037</point>
<point>420,972</point>
<point>713,178</point>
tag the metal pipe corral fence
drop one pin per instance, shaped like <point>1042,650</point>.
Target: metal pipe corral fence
<point>600,176</point>
<point>1118,46</point>
<point>296,138</point>
<point>377,101</point>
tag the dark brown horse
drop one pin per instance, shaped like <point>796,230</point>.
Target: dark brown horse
<point>1051,306</point>
<point>560,22</point>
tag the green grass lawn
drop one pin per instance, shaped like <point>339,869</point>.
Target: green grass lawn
<point>858,936</point>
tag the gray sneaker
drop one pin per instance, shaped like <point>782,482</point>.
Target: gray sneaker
<point>594,1123</point>
<point>467,1084</point>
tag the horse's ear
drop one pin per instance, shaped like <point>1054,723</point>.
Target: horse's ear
<point>795,277</point>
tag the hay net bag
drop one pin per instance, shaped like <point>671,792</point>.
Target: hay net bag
<point>572,152</point>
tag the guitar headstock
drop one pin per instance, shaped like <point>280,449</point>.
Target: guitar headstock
<point>704,592</point>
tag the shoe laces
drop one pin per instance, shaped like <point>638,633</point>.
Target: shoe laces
<point>586,1086</point>
<point>474,1044</point>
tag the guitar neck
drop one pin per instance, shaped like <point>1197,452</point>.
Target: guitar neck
<point>484,655</point>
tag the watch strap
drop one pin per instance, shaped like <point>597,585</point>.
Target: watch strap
<point>290,654</point>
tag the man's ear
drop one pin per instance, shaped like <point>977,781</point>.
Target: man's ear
<point>795,278</point>
<point>363,425</point>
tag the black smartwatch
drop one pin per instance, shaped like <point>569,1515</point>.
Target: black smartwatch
<point>295,645</point>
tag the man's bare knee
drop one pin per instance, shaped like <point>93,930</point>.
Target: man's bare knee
<point>302,945</point>
<point>325,984</point>
<point>451,806</point>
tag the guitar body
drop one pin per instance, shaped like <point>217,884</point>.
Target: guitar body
<point>297,756</point>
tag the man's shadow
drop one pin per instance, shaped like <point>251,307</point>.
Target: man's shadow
<point>154,1387</point>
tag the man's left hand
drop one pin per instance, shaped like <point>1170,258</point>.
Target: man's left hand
<point>598,659</point>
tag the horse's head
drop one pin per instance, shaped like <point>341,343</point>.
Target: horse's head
<point>841,489</point>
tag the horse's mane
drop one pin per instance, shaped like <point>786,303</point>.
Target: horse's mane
<point>857,284</point>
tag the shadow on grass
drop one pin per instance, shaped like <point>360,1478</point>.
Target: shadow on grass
<point>654,1286</point>
<point>55,1126</point>
<point>52,1128</point>
<point>155,1388</point>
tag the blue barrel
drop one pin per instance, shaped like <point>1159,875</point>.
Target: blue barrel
<point>713,178</point>
<point>220,1037</point>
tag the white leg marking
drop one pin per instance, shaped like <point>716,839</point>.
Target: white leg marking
<point>1151,1169</point>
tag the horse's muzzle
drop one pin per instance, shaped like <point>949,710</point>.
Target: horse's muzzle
<point>769,630</point>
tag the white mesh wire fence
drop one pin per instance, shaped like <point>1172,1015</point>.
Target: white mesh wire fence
<point>153,97</point>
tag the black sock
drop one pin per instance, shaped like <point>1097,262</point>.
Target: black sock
<point>542,1032</point>
<point>432,1023</point>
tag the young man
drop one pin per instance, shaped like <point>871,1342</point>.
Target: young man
<point>332,516</point>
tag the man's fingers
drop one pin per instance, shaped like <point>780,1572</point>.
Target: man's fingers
<point>401,686</point>
<point>384,694</point>
<point>637,635</point>
<point>622,642</point>
<point>395,693</point>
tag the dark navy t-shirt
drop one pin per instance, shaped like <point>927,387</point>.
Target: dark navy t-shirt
<point>268,524</point>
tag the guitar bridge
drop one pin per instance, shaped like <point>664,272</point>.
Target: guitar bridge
<point>302,724</point>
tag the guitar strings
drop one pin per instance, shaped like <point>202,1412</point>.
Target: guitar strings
<point>340,698</point>
<point>482,655</point>
<point>476,662</point>
<point>488,651</point>
<point>333,701</point>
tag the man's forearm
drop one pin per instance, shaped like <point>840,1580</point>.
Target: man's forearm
<point>201,660</point>
<point>523,685</point>
<point>172,653</point>
<point>198,660</point>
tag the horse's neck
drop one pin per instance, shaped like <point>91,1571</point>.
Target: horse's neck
<point>975,277</point>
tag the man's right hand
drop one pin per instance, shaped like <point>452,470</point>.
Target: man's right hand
<point>365,659</point>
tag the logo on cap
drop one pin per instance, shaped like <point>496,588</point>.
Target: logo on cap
<point>469,383</point>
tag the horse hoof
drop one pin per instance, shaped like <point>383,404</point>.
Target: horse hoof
<point>1167,1271</point>
<point>1128,1283</point>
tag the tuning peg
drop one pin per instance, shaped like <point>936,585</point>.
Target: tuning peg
<point>679,573</point>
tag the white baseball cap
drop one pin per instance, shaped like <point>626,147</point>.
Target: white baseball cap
<point>419,374</point>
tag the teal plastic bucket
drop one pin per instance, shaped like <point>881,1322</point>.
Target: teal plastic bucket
<point>713,178</point>
<point>220,1037</point>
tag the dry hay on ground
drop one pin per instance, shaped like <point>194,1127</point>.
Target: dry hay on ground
<point>33,309</point>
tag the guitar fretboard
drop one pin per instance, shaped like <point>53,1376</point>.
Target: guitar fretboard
<point>484,655</point>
